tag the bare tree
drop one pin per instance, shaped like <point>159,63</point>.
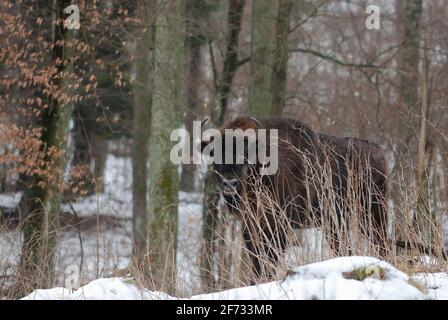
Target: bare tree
<point>408,62</point>
<point>280,60</point>
<point>423,216</point>
<point>165,117</point>
<point>223,86</point>
<point>196,11</point>
<point>44,196</point>
<point>143,92</point>
<point>262,60</point>
<point>408,66</point>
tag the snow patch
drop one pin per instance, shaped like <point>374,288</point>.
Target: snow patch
<point>100,289</point>
<point>10,200</point>
<point>322,280</point>
<point>326,281</point>
<point>435,283</point>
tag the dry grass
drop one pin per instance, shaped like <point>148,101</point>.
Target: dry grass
<point>349,220</point>
<point>232,266</point>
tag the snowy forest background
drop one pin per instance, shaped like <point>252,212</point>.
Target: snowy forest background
<point>87,189</point>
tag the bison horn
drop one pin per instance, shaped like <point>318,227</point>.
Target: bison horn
<point>203,122</point>
<point>257,122</point>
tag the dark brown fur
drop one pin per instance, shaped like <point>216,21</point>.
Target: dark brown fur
<point>304,157</point>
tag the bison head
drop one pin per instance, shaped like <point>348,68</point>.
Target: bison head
<point>232,150</point>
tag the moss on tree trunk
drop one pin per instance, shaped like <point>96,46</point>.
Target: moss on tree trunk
<point>165,117</point>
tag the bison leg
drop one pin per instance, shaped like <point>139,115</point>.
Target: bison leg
<point>333,237</point>
<point>374,223</point>
<point>264,251</point>
<point>333,241</point>
<point>379,238</point>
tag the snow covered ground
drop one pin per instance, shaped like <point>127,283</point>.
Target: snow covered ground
<point>354,278</point>
<point>10,199</point>
<point>102,252</point>
<point>435,283</point>
<point>107,251</point>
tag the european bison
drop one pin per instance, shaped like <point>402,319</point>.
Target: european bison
<point>315,182</point>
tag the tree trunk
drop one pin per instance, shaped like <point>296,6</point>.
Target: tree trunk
<point>90,148</point>
<point>280,66</point>
<point>262,63</point>
<point>424,222</point>
<point>211,193</point>
<point>408,65</point>
<point>210,219</point>
<point>196,13</point>
<point>165,117</point>
<point>410,53</point>
<point>143,90</point>
<point>44,196</point>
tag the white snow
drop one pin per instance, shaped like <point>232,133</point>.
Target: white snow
<point>100,289</point>
<point>10,199</point>
<point>189,235</point>
<point>331,279</point>
<point>436,284</point>
<point>325,281</point>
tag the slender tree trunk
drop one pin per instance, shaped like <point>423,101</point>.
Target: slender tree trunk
<point>280,61</point>
<point>44,196</point>
<point>410,53</point>
<point>408,66</point>
<point>90,148</point>
<point>99,148</point>
<point>165,117</point>
<point>211,192</point>
<point>262,63</point>
<point>408,62</point>
<point>231,64</point>
<point>196,14</point>
<point>210,212</point>
<point>143,90</point>
<point>424,222</point>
